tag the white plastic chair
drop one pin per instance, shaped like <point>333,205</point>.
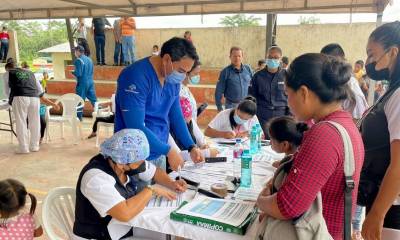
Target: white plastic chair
<point>58,213</point>
<point>390,234</point>
<point>103,112</point>
<point>71,104</point>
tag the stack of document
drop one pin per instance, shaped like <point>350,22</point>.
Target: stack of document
<point>247,194</point>
<point>161,202</point>
<point>217,214</point>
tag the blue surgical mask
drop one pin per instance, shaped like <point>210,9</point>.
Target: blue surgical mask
<point>194,79</point>
<point>175,77</point>
<point>238,120</point>
<point>272,63</point>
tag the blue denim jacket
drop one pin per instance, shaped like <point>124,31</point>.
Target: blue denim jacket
<point>233,84</point>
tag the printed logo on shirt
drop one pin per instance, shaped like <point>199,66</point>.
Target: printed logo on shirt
<point>131,88</point>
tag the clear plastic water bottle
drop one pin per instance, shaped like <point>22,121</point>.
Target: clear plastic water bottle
<point>237,154</point>
<point>253,140</point>
<point>259,131</point>
<point>238,148</point>
<point>246,166</point>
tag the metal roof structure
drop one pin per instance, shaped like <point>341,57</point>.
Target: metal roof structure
<point>60,48</point>
<point>42,9</point>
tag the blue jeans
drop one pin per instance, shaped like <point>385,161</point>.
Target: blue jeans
<point>86,91</point>
<point>160,162</point>
<point>4,50</point>
<point>128,48</point>
<point>100,42</point>
<point>118,53</point>
<point>356,222</point>
<point>229,104</point>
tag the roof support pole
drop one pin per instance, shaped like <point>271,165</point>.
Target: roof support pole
<point>371,89</point>
<point>70,38</point>
<point>270,31</point>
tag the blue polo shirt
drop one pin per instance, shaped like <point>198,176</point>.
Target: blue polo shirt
<point>142,103</point>
<point>233,84</point>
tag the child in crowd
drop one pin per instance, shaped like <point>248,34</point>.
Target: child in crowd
<point>105,119</point>
<point>155,51</point>
<point>24,65</point>
<point>44,102</point>
<point>234,123</point>
<point>285,135</point>
<point>44,81</point>
<point>188,36</point>
<point>15,222</point>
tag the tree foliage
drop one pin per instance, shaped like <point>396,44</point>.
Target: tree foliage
<point>34,36</point>
<point>309,20</point>
<point>240,20</point>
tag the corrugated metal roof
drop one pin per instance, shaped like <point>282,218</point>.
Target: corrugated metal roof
<point>60,48</point>
<point>36,9</point>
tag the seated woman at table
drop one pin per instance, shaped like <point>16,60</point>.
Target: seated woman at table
<point>107,185</point>
<point>285,135</point>
<point>234,123</point>
<point>316,85</point>
<point>195,132</point>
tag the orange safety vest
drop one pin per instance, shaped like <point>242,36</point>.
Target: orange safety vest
<point>126,29</point>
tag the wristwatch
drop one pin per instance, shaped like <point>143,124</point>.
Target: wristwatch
<point>191,147</point>
<point>151,188</point>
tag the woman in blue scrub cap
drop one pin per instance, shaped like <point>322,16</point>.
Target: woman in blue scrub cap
<point>107,185</point>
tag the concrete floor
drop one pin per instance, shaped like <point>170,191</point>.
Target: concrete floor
<point>58,163</point>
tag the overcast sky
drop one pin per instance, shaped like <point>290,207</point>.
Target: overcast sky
<point>392,13</point>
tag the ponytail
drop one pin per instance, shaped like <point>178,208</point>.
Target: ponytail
<point>286,129</point>
<point>33,203</point>
<point>13,197</point>
<point>301,127</point>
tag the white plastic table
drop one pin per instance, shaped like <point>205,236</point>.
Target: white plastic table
<point>6,107</point>
<point>158,220</point>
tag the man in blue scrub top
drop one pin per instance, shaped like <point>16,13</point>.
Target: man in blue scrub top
<point>84,77</point>
<point>147,98</point>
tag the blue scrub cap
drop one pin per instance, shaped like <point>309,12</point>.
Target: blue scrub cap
<point>126,146</point>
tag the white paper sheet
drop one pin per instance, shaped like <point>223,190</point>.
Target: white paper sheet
<point>161,202</point>
<point>224,211</point>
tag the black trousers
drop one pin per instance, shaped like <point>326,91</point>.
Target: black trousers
<point>42,125</point>
<point>392,218</point>
<point>109,119</point>
<point>83,42</point>
<point>264,115</point>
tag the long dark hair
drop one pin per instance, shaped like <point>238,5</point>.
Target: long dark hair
<point>13,198</point>
<point>247,105</point>
<point>388,35</point>
<point>286,129</point>
<point>326,76</point>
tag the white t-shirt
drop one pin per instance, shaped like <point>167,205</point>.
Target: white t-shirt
<point>113,102</point>
<point>99,188</point>
<point>185,92</point>
<point>361,103</point>
<point>392,112</point>
<point>80,32</point>
<point>221,123</point>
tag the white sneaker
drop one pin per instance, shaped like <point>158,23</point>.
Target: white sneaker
<point>35,149</point>
<point>19,151</point>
